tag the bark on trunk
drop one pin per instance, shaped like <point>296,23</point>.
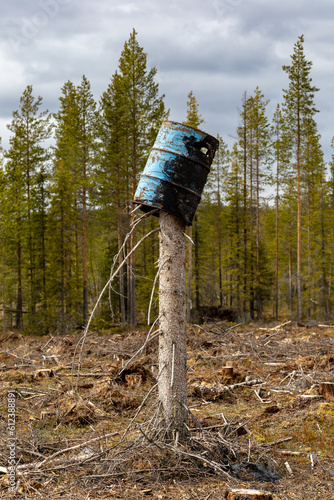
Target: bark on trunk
<point>172,383</point>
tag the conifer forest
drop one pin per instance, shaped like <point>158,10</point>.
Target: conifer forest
<point>262,242</point>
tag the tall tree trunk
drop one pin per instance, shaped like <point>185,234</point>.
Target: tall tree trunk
<point>19,300</point>
<point>323,262</point>
<point>76,304</point>
<point>251,236</point>
<point>219,244</point>
<point>84,257</point>
<point>244,307</point>
<point>120,242</point>
<point>290,275</point>
<point>258,272</point>
<point>299,217</point>
<point>44,293</point>
<point>32,301</point>
<point>276,242</point>
<point>172,382</point>
<point>309,263</point>
<point>84,231</point>
<point>63,270</point>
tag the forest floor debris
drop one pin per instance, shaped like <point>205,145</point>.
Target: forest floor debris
<point>266,425</point>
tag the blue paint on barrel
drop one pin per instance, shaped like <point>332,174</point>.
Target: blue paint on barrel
<point>176,170</point>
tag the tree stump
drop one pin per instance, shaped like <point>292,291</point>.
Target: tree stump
<point>172,382</point>
<point>326,389</point>
<point>236,494</point>
<point>227,371</point>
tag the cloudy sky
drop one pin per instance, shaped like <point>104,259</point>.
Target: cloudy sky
<point>217,48</point>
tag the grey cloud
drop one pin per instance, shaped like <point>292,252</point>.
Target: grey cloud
<point>218,49</point>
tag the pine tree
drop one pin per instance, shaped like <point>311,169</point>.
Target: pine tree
<point>26,159</point>
<point>298,111</point>
<point>65,288</point>
<point>73,166</point>
<point>278,156</point>
<point>313,182</point>
<point>259,161</point>
<point>141,111</point>
<point>234,228</point>
<point>243,152</point>
<point>254,152</point>
<point>215,190</point>
<point>86,141</point>
<point>194,119</point>
<point>112,175</point>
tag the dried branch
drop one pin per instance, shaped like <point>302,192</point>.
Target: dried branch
<point>153,288</point>
<point>147,340</point>
<point>38,465</point>
<point>83,338</point>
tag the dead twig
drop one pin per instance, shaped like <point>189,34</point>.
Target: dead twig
<point>153,288</point>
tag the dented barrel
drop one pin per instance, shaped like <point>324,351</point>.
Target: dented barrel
<point>176,170</point>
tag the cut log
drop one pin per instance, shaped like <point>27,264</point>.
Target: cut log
<point>326,389</point>
<point>236,494</point>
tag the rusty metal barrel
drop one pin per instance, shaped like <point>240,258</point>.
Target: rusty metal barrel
<point>176,171</point>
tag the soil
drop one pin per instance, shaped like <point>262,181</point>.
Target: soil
<point>259,418</point>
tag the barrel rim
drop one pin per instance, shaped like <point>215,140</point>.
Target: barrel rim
<point>193,128</point>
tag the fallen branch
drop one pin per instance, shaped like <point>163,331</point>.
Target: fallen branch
<point>51,458</point>
<point>217,390</point>
<point>278,441</point>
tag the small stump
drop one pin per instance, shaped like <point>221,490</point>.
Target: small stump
<point>326,389</point>
<point>227,371</point>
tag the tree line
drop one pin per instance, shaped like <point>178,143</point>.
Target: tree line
<point>68,179</point>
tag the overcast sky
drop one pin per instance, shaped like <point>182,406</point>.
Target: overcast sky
<point>217,48</point>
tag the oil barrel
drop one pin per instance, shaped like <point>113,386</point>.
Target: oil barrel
<point>176,171</point>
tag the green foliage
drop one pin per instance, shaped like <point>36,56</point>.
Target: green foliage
<point>26,173</point>
<point>194,119</point>
<point>65,211</point>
